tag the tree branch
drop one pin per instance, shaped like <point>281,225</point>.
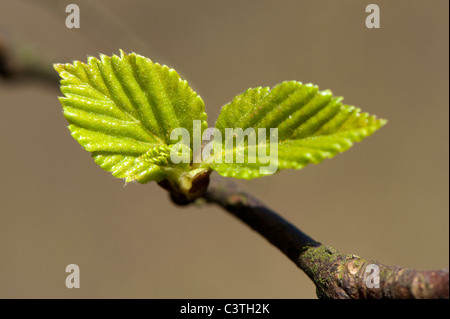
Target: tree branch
<point>19,63</point>
<point>334,274</point>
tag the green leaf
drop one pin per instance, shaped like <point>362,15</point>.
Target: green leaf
<point>123,109</point>
<point>312,125</point>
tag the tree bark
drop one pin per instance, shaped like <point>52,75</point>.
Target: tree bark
<point>335,275</point>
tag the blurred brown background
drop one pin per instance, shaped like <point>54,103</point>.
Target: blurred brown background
<point>386,199</point>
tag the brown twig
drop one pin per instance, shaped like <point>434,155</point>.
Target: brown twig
<point>19,63</point>
<point>335,275</point>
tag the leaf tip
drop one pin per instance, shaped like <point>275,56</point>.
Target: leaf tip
<point>382,122</point>
<point>58,67</point>
<point>91,59</point>
<point>104,58</point>
<point>123,54</point>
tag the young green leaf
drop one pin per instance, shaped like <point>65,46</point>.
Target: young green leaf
<point>312,125</point>
<point>123,109</point>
